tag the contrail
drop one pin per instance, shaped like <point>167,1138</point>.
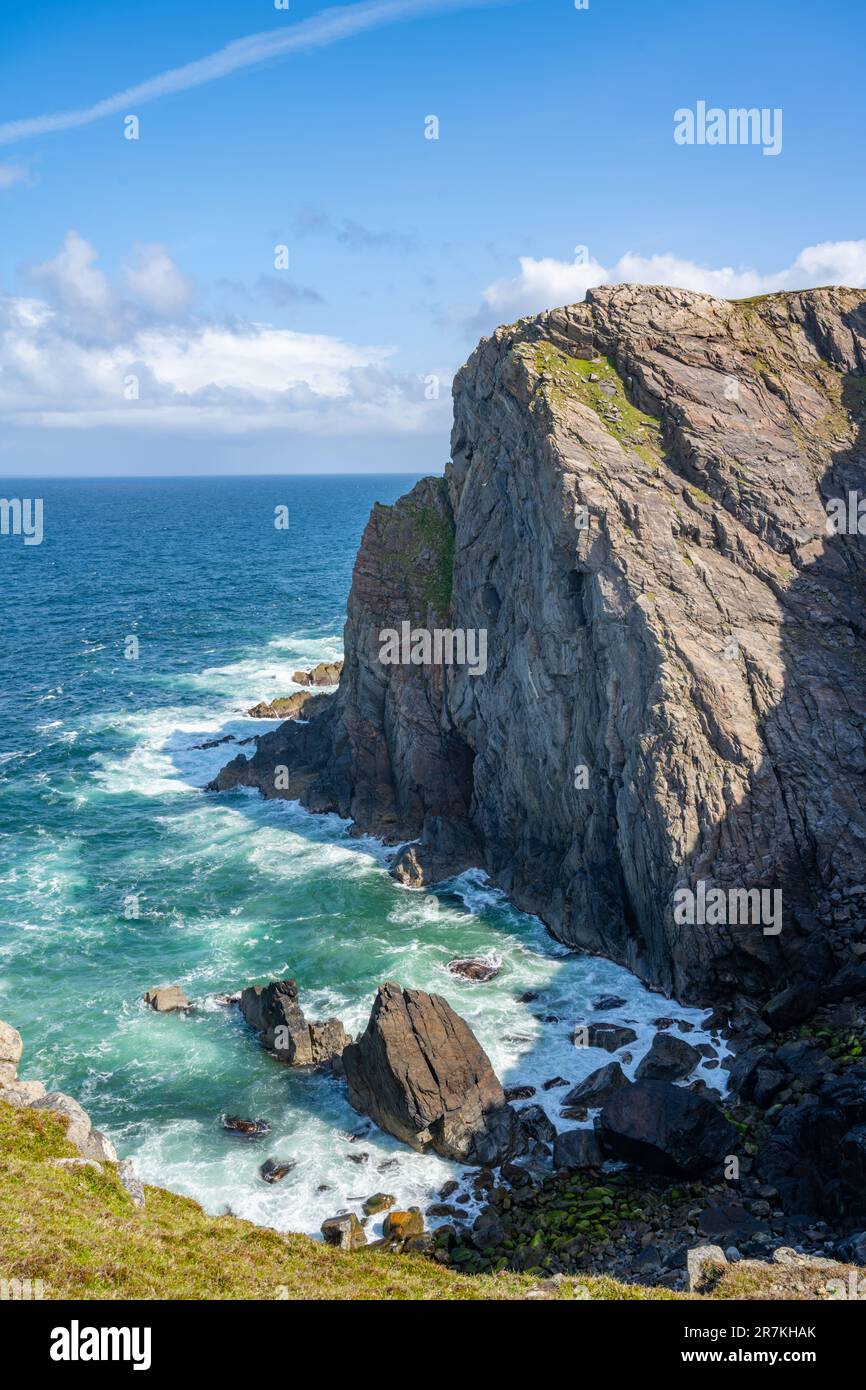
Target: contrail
<point>327,27</point>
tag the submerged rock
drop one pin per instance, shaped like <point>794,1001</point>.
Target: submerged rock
<point>419,1072</point>
<point>248,1129</point>
<point>166,999</point>
<point>474,969</point>
<point>274,1170</point>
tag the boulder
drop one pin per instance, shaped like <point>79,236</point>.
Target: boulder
<point>704,1264</point>
<point>791,1006</point>
<point>807,1158</point>
<point>22,1093</point>
<point>597,1089</point>
<point>536,1123</point>
<point>89,1142</point>
<point>325,673</point>
<point>420,1073</point>
<point>11,1048</point>
<point>130,1180</point>
<point>166,999</point>
<point>610,1036</point>
<point>380,1201</point>
<point>400,1225</point>
<point>479,969</point>
<point>669,1059</point>
<point>577,1148</point>
<point>667,1129</point>
<point>275,1014</point>
<point>248,1129</point>
<point>608,1001</point>
<point>848,983</point>
<point>345,1232</point>
<point>272,1170</point>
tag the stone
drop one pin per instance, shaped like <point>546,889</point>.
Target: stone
<point>669,1059</point>
<point>608,1001</point>
<point>11,1048</point>
<point>519,1092</point>
<point>598,1088</point>
<point>791,1006</point>
<point>131,1182</point>
<point>80,1133</point>
<point>400,1225</point>
<point>325,673</point>
<point>345,1232</point>
<point>419,1072</point>
<point>274,1169</point>
<point>166,999</point>
<point>22,1093</point>
<point>247,1129</point>
<point>74,1164</point>
<point>273,1012</point>
<point>610,1036</point>
<point>480,969</point>
<point>667,1129</point>
<point>380,1201</point>
<point>704,1264</point>
<point>577,1148</point>
<point>285,706</point>
<point>535,1122</point>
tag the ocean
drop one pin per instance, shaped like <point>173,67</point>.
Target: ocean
<point>118,873</point>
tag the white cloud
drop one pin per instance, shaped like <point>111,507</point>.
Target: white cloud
<point>155,281</point>
<point>73,281</point>
<point>319,31</point>
<point>548,283</point>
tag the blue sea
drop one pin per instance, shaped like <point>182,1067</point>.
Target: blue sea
<point>118,873</point>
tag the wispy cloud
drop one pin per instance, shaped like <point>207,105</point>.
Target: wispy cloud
<point>327,27</point>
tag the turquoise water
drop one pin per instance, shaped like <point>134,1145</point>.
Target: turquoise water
<point>117,873</point>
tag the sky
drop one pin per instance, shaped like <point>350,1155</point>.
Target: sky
<point>283,271</point>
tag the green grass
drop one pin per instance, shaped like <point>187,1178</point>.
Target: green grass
<point>570,379</point>
<point>78,1232</point>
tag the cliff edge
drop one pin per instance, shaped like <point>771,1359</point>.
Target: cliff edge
<point>672,692</point>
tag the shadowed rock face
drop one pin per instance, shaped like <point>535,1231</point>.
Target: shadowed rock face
<point>635,511</point>
<point>420,1073</point>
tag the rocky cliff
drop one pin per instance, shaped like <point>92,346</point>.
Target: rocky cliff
<point>635,512</point>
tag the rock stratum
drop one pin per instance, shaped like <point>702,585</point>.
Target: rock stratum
<point>635,512</point>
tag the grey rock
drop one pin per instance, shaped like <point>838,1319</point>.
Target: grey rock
<point>667,1129</point>
<point>90,1142</point>
<point>273,1011</point>
<point>419,1072</point>
<point>130,1180</point>
<point>598,1088</point>
<point>11,1048</point>
<point>704,1264</point>
<point>577,1148</point>
<point>345,1232</point>
<point>669,1059</point>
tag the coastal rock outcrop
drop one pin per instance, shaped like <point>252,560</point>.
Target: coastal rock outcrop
<point>275,1014</point>
<point>11,1048</point>
<point>325,673</point>
<point>635,514</point>
<point>420,1073</point>
<point>91,1143</point>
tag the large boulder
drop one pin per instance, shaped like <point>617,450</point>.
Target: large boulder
<point>166,999</point>
<point>669,1059</point>
<point>597,1089</point>
<point>667,1129</point>
<point>419,1072</point>
<point>813,1155</point>
<point>577,1148</point>
<point>11,1048</point>
<point>275,1014</point>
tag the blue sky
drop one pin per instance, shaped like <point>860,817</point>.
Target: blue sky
<point>153,259</point>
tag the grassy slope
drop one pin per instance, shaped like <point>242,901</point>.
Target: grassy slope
<point>78,1231</point>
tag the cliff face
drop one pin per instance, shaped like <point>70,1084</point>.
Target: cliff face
<point>635,513</point>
